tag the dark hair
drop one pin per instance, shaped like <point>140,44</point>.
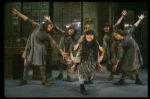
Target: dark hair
<point>44,26</point>
<point>74,34</point>
<point>85,49</point>
<point>118,31</point>
<point>107,25</point>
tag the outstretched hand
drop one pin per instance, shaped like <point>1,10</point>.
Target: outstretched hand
<point>47,18</point>
<point>142,16</point>
<point>14,11</point>
<point>124,12</point>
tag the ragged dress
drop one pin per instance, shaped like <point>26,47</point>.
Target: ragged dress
<point>86,68</point>
<point>129,53</point>
<point>35,51</point>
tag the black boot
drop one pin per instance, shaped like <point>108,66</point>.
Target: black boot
<point>59,76</point>
<point>82,89</point>
<point>139,82</point>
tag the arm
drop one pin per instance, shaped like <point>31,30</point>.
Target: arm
<point>19,14</point>
<point>60,31</point>
<point>119,21</point>
<point>79,41</point>
<point>140,19</point>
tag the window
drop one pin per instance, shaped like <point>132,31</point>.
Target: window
<point>67,14</point>
<point>35,11</point>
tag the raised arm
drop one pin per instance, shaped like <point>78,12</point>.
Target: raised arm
<point>139,20</point>
<point>120,19</point>
<point>60,31</point>
<point>19,14</point>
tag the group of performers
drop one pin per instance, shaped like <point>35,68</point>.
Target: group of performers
<point>121,49</point>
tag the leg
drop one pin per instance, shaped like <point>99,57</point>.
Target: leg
<point>111,77</point>
<point>27,67</point>
<point>61,71</point>
<point>43,74</point>
<point>122,80</point>
<point>81,81</point>
<point>138,81</point>
<point>68,73</point>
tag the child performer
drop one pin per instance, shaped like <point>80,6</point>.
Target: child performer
<point>128,53</point>
<point>66,44</point>
<point>87,59</point>
<point>35,51</point>
<point>86,28</point>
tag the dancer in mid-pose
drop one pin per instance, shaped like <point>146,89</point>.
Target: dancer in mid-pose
<point>66,44</point>
<point>86,28</point>
<point>35,52</point>
<point>108,42</point>
<point>128,54</point>
<point>87,59</point>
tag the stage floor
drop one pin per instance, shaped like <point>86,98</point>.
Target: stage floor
<point>63,89</point>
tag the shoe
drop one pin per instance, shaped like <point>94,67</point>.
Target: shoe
<point>131,77</point>
<point>44,82</point>
<point>59,76</point>
<point>121,82</point>
<point>22,82</point>
<point>111,77</point>
<point>82,89</point>
<point>139,82</point>
<point>69,79</point>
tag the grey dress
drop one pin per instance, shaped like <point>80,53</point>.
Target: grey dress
<point>86,68</point>
<point>108,42</point>
<point>65,44</point>
<point>35,51</point>
<point>129,52</point>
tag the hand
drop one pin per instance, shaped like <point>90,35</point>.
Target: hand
<point>47,18</point>
<point>14,11</point>
<point>141,17</point>
<point>99,68</point>
<point>72,69</point>
<point>65,56</point>
<point>124,12</point>
<point>101,58</point>
<point>75,47</point>
<point>114,68</point>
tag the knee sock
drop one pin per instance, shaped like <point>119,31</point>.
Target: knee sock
<point>27,67</point>
<point>137,75</point>
<point>43,73</point>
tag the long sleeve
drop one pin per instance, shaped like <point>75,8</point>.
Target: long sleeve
<point>78,55</point>
<point>31,23</point>
<point>131,30</point>
<point>60,31</point>
<point>53,44</point>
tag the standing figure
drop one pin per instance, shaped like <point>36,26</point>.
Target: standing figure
<point>35,51</point>
<point>66,44</point>
<point>86,28</point>
<point>87,59</point>
<point>108,42</point>
<point>128,54</point>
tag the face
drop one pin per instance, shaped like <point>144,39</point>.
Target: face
<point>106,29</point>
<point>89,37</point>
<point>71,32</point>
<point>117,36</point>
<point>86,29</point>
<point>50,27</point>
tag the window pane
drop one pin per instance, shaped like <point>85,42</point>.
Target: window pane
<point>45,5</point>
<point>35,15</point>
<point>77,25</point>
<point>27,13</point>
<point>67,4</point>
<point>26,5</point>
<point>67,15</point>
<point>57,15</point>
<point>35,5</point>
<point>42,13</point>
<point>76,5</point>
<point>58,5</point>
<point>66,25</point>
<point>76,15</point>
